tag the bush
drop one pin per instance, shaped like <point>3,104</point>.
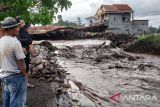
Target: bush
<point>146,44</point>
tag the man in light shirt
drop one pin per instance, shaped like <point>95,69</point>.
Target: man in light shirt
<point>1,31</point>
<point>1,34</point>
<point>13,73</point>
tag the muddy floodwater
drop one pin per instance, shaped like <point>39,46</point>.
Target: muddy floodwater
<point>102,75</point>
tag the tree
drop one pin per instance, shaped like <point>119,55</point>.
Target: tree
<point>154,29</point>
<point>33,11</point>
<point>66,23</point>
<point>79,21</point>
<point>60,19</point>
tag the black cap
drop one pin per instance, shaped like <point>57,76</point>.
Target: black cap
<point>18,18</point>
<point>9,22</point>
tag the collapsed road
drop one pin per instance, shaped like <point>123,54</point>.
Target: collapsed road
<point>98,74</point>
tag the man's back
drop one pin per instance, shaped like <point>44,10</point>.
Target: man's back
<point>10,52</point>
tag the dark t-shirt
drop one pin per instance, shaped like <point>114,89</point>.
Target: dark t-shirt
<point>24,38</point>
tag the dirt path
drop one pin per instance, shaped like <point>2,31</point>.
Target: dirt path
<point>42,95</point>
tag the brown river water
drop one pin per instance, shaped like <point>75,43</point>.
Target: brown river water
<point>104,76</point>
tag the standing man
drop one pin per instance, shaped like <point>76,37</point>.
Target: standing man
<point>1,31</point>
<point>13,73</point>
<point>25,41</point>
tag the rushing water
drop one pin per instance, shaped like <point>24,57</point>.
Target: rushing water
<point>100,82</point>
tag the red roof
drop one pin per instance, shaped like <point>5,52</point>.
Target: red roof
<point>116,8</point>
<point>43,29</point>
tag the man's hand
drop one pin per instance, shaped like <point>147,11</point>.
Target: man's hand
<point>25,51</point>
<point>21,66</point>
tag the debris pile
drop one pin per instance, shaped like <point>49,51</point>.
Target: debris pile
<point>117,39</point>
<point>98,54</point>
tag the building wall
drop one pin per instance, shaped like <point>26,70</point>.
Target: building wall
<point>140,26</point>
<point>127,27</point>
<point>94,20</point>
<point>118,24</point>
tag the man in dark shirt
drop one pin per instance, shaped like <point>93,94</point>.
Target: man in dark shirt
<point>26,41</point>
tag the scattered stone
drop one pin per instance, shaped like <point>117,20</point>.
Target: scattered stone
<point>66,85</point>
<point>45,71</point>
<point>41,79</point>
<point>36,61</point>
<point>46,63</point>
<point>50,79</point>
<point>40,67</point>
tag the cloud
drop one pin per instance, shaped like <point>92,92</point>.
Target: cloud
<point>86,8</point>
<point>142,7</point>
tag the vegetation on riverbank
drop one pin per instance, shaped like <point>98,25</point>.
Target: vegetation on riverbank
<point>146,44</point>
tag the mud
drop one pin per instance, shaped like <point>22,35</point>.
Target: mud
<point>99,71</point>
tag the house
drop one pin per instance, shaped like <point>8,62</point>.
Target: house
<point>120,19</point>
<point>91,20</point>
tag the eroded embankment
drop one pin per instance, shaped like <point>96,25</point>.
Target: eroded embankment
<point>149,44</point>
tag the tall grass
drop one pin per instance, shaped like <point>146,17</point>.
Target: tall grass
<point>146,44</point>
<point>150,40</point>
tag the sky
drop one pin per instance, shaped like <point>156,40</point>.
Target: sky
<point>144,9</point>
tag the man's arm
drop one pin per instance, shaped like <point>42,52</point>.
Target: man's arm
<point>21,66</point>
<point>19,55</point>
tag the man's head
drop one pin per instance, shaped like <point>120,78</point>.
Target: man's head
<point>10,26</point>
<point>21,24</point>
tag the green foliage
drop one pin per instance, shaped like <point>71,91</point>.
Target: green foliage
<point>79,21</point>
<point>66,23</point>
<point>149,43</point>
<point>151,40</point>
<point>33,11</point>
<point>154,29</point>
<point>146,44</point>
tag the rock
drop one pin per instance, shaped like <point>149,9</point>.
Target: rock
<point>40,67</point>
<point>63,101</point>
<point>59,80</point>
<point>47,76</point>
<point>66,86</point>
<point>46,63</point>
<point>52,68</point>
<point>48,45</point>
<point>48,67</point>
<point>34,73</point>
<point>35,69</point>
<point>53,71</point>
<point>52,61</point>
<point>36,61</point>
<point>45,71</point>
<point>50,79</point>
<point>41,79</point>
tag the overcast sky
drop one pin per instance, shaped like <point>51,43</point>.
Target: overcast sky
<point>144,9</point>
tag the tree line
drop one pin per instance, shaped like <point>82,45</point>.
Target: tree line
<point>154,29</point>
